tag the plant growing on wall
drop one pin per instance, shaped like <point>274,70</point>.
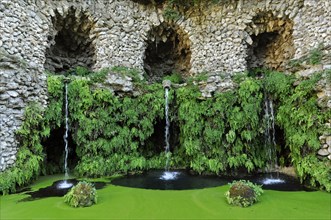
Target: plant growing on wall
<point>217,135</point>
<point>223,132</point>
<point>175,9</point>
<point>302,120</point>
<point>113,127</point>
<point>37,125</point>
<point>313,57</point>
<point>30,154</point>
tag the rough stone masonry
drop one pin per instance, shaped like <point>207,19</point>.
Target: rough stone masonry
<point>231,36</point>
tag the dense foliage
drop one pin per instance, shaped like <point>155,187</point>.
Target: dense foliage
<point>113,134</point>
<point>224,132</point>
<point>109,131</point>
<point>83,194</point>
<point>30,155</point>
<point>302,121</point>
<point>37,125</point>
<point>243,193</point>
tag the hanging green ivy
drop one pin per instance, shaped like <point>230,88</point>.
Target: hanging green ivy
<point>216,135</point>
<point>223,132</point>
<point>302,121</point>
<point>29,158</point>
<point>113,128</point>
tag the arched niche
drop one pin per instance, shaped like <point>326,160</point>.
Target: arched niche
<point>272,42</point>
<point>70,42</point>
<point>167,51</point>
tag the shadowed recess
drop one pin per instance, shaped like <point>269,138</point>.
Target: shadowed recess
<point>168,51</point>
<point>272,42</point>
<point>70,44</point>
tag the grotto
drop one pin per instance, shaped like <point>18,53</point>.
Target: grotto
<point>225,90</point>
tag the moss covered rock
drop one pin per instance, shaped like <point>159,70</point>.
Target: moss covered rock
<point>243,193</point>
<point>83,194</point>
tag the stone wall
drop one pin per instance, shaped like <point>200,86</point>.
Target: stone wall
<point>323,90</point>
<point>69,42</point>
<point>229,37</point>
<point>22,79</point>
<point>312,27</point>
<point>118,31</point>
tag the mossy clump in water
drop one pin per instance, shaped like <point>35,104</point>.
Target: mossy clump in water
<point>243,193</point>
<point>83,194</point>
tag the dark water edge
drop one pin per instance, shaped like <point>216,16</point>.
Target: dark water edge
<point>185,181</point>
<point>55,191</point>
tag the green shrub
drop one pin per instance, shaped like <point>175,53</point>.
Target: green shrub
<point>174,78</point>
<point>83,194</point>
<point>314,57</point>
<point>302,121</point>
<point>222,132</point>
<point>243,193</point>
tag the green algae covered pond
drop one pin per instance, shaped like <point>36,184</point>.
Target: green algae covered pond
<point>117,202</point>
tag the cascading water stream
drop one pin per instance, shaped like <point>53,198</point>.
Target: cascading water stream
<point>270,140</point>
<point>65,184</point>
<point>167,126</point>
<point>65,137</point>
<point>167,175</point>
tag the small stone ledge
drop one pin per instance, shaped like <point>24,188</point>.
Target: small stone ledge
<point>215,84</point>
<point>325,140</point>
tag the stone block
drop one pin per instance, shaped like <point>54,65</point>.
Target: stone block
<point>328,140</point>
<point>323,152</point>
<point>325,146</point>
<point>13,94</point>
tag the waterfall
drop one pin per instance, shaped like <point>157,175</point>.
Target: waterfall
<point>167,126</point>
<point>65,184</point>
<point>167,175</point>
<point>269,132</point>
<point>65,136</point>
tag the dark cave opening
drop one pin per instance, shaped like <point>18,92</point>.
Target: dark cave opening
<point>272,42</point>
<point>156,143</point>
<point>55,152</point>
<point>259,51</point>
<point>167,52</point>
<point>70,44</point>
<point>283,152</point>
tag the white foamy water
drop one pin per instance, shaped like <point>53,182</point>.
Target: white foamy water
<point>64,185</point>
<point>269,181</point>
<point>167,175</point>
